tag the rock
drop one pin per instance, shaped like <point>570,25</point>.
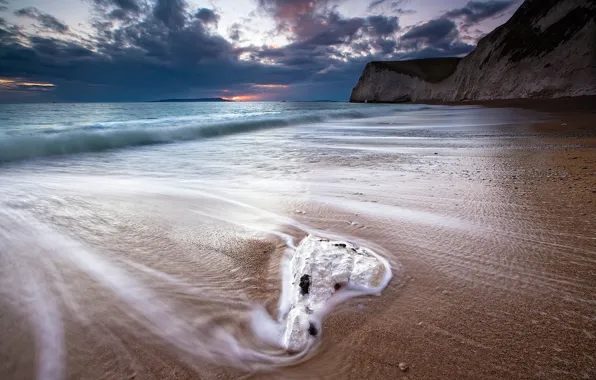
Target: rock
<point>507,64</point>
<point>403,367</point>
<point>320,271</point>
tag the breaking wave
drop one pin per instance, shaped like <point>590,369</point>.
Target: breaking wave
<point>101,137</point>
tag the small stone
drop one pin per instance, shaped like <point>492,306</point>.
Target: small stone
<point>312,330</point>
<point>304,283</point>
<point>340,245</point>
<point>403,367</point>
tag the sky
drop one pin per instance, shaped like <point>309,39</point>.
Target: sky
<point>140,50</point>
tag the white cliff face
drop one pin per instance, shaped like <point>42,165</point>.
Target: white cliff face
<point>546,50</point>
<point>325,273</point>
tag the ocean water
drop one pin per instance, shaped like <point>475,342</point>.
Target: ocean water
<point>40,130</point>
<point>103,202</point>
<point>146,240</point>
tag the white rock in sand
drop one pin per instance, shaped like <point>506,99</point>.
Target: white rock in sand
<point>325,273</point>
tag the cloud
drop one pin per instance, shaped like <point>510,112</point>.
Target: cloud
<point>207,16</point>
<point>3,8</point>
<point>122,10</point>
<point>234,32</point>
<point>476,11</point>
<point>171,12</point>
<point>394,6</point>
<point>375,4</point>
<point>17,83</point>
<point>318,23</point>
<point>432,31</point>
<point>435,38</point>
<point>47,21</point>
<point>124,5</point>
<point>381,25</point>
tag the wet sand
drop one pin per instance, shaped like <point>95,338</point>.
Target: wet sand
<point>491,233</point>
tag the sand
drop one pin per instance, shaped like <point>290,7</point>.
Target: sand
<point>492,239</point>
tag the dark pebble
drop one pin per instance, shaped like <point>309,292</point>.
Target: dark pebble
<point>305,283</point>
<point>312,330</point>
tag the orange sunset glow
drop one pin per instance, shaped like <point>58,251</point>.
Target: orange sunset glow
<point>244,98</point>
<point>9,83</point>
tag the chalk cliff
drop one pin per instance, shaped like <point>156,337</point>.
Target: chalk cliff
<point>546,50</point>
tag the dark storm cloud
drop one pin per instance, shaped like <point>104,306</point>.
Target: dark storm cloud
<point>435,38</point>
<point>382,25</point>
<point>476,11</point>
<point>171,12</point>
<point>332,30</point>
<point>162,52</point>
<point>45,20</point>
<point>207,16</point>
<point>124,5</point>
<point>432,31</point>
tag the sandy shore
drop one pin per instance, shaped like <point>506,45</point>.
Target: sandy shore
<point>567,105</point>
<point>490,232</point>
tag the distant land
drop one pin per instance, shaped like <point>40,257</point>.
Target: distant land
<point>195,100</point>
<point>318,101</point>
<point>198,100</point>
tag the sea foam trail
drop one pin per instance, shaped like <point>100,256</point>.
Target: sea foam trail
<point>100,137</point>
<point>207,335</point>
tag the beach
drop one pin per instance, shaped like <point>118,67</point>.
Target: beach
<point>149,260</point>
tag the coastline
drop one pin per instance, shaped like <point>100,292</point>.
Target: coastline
<point>563,104</point>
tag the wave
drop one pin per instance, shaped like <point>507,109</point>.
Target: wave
<point>97,138</point>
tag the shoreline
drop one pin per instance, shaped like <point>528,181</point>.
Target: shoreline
<point>564,104</point>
